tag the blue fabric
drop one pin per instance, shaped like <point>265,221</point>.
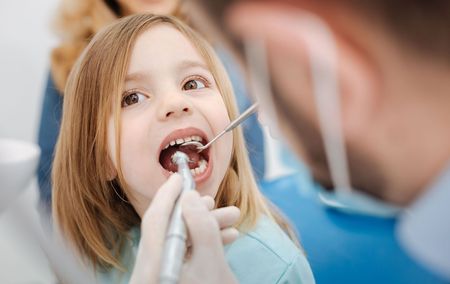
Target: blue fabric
<point>343,248</point>
<point>263,255</point>
<point>267,255</point>
<point>48,134</point>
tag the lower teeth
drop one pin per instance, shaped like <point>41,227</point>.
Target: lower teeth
<point>202,165</point>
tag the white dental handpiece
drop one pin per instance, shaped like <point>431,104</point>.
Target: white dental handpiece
<point>175,243</point>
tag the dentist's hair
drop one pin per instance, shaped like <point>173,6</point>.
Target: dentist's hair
<point>420,25</point>
<point>90,209</point>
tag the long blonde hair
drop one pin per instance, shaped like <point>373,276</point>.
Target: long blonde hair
<point>90,209</point>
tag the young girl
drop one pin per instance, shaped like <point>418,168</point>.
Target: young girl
<point>141,88</point>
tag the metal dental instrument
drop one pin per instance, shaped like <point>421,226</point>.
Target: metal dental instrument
<point>241,118</point>
<point>175,243</point>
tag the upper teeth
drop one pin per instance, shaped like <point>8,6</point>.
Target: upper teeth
<point>180,141</point>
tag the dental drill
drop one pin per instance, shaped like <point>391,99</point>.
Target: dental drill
<point>175,243</point>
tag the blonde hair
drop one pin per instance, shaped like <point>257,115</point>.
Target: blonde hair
<point>90,209</point>
<point>76,22</point>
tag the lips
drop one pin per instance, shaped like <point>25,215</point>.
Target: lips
<point>200,164</point>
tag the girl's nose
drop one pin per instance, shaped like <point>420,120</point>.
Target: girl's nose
<point>175,106</point>
<point>177,111</point>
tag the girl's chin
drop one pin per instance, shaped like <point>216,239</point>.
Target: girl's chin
<point>199,177</point>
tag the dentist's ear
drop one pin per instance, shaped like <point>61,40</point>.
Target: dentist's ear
<point>359,88</point>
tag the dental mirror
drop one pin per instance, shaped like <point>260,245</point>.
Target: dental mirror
<point>241,118</point>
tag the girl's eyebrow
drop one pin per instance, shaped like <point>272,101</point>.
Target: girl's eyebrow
<point>186,64</point>
<point>136,76</point>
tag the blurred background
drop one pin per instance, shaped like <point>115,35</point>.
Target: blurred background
<point>26,40</point>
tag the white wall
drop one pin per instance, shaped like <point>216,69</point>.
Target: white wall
<point>25,42</point>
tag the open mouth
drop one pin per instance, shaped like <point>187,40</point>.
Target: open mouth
<point>198,162</point>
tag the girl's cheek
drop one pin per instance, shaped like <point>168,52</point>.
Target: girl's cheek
<point>222,113</point>
<point>221,120</point>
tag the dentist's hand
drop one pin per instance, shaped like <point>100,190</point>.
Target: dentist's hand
<point>226,217</point>
<point>208,230</point>
<point>207,263</point>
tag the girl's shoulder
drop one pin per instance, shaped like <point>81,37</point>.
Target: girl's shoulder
<point>267,255</point>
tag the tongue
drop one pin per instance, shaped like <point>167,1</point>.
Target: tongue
<point>166,157</point>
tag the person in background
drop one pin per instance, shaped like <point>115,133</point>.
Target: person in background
<point>77,21</point>
<point>393,73</point>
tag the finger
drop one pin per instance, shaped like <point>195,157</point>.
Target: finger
<point>203,228</point>
<point>229,235</point>
<point>226,216</point>
<point>206,244</point>
<point>208,201</point>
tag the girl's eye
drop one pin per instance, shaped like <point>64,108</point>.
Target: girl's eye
<point>132,98</point>
<point>193,85</point>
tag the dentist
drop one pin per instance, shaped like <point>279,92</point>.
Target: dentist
<point>361,89</point>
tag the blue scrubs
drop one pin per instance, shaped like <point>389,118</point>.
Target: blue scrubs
<point>346,248</point>
<point>48,134</point>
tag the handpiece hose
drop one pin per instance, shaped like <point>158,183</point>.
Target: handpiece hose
<point>175,243</point>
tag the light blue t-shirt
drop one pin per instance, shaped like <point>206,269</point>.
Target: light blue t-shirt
<point>263,255</point>
<point>267,255</point>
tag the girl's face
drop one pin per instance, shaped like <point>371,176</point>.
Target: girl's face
<point>170,96</point>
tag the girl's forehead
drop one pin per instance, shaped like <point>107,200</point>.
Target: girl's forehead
<point>163,52</point>
<point>162,45</point>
